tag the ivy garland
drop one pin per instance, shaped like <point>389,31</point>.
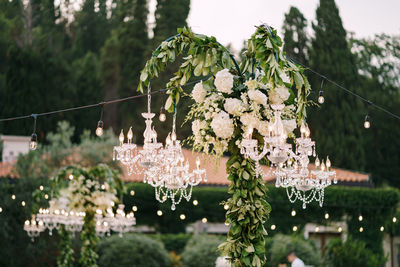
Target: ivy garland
<point>265,68</point>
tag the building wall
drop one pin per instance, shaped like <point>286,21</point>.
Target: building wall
<point>13,146</point>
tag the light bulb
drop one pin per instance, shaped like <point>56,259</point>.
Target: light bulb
<point>340,229</point>
<point>168,139</point>
<point>198,162</point>
<point>163,116</point>
<point>182,217</point>
<point>293,213</point>
<point>33,142</point>
<point>250,132</point>
<point>360,218</point>
<point>323,166</point>
<point>204,220</point>
<point>303,128</point>
<point>367,123</point>
<point>321,98</point>
<point>99,130</point>
<point>159,213</point>
<point>382,228</point>
<point>326,216</point>
<point>273,227</point>
<point>173,136</point>
<point>130,135</point>
<point>328,162</point>
<point>317,163</point>
<point>121,137</point>
<point>195,202</point>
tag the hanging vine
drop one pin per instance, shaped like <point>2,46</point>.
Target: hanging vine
<point>232,102</point>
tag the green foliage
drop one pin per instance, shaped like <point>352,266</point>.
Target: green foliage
<point>351,253</point>
<point>201,251</point>
<point>133,250</point>
<point>304,249</point>
<point>174,242</point>
<point>89,240</point>
<point>66,256</point>
<point>295,35</point>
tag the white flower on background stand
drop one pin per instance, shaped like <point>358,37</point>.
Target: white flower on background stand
<point>199,93</point>
<point>222,262</point>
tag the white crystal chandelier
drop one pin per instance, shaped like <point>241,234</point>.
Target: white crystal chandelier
<point>52,218</point>
<point>172,178</point>
<point>128,154</point>
<point>291,167</point>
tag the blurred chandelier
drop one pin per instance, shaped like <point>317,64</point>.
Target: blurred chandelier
<point>291,168</point>
<point>53,218</point>
<point>172,178</point>
<point>128,154</point>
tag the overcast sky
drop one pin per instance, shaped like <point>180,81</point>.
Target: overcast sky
<point>232,21</point>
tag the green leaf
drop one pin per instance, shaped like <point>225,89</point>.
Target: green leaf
<point>198,70</point>
<point>143,76</point>
<point>250,248</point>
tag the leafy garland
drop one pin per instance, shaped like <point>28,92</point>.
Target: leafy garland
<point>228,103</point>
<point>66,256</point>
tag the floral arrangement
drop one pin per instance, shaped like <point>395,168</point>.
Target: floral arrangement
<point>226,103</point>
<point>233,102</point>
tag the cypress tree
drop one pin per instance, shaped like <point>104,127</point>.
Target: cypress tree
<point>337,124</point>
<point>295,35</point>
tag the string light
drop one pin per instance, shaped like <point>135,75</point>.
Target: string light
<point>326,216</point>
<point>361,229</point>
<point>293,213</point>
<point>367,122</point>
<point>100,124</point>
<point>204,220</point>
<point>1,209</point>
<point>159,213</point>
<point>23,203</point>
<point>195,202</point>
<point>132,193</point>
<point>321,98</point>
<point>13,197</point>
<point>134,208</point>
<point>294,228</point>
<point>226,207</point>
<point>317,229</point>
<point>382,228</point>
<point>71,177</point>
<point>340,229</point>
<point>162,116</point>
<point>394,219</point>
<point>41,188</point>
<point>273,227</point>
<point>360,218</point>
<point>46,196</point>
<point>182,217</point>
<point>33,142</point>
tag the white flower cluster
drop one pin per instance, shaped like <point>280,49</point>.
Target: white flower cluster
<point>224,81</point>
<point>216,116</point>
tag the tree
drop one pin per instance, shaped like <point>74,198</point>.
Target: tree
<point>295,35</point>
<point>337,124</point>
<point>378,63</point>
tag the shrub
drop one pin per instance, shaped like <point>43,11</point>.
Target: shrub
<point>351,253</point>
<point>133,250</point>
<point>283,244</point>
<point>174,242</point>
<point>201,251</point>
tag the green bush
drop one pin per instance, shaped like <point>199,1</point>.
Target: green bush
<point>133,250</point>
<point>174,242</point>
<point>351,253</point>
<point>283,244</point>
<point>201,251</point>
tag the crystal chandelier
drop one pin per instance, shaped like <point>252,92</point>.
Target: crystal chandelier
<point>34,227</point>
<point>172,178</point>
<point>291,168</point>
<point>53,218</point>
<point>127,153</point>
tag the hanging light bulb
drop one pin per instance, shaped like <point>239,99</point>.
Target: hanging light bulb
<point>367,123</point>
<point>198,162</point>
<point>321,98</point>
<point>163,116</point>
<point>317,162</point>
<point>173,136</point>
<point>33,142</point>
<point>99,130</point>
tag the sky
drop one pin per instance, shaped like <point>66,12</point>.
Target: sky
<point>233,21</point>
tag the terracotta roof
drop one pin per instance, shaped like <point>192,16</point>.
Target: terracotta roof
<point>6,169</point>
<point>216,172</point>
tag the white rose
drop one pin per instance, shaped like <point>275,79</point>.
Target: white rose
<point>289,125</point>
<point>234,106</point>
<point>249,120</point>
<point>199,93</point>
<point>224,81</point>
<point>222,125</point>
<point>258,97</point>
<point>279,95</point>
